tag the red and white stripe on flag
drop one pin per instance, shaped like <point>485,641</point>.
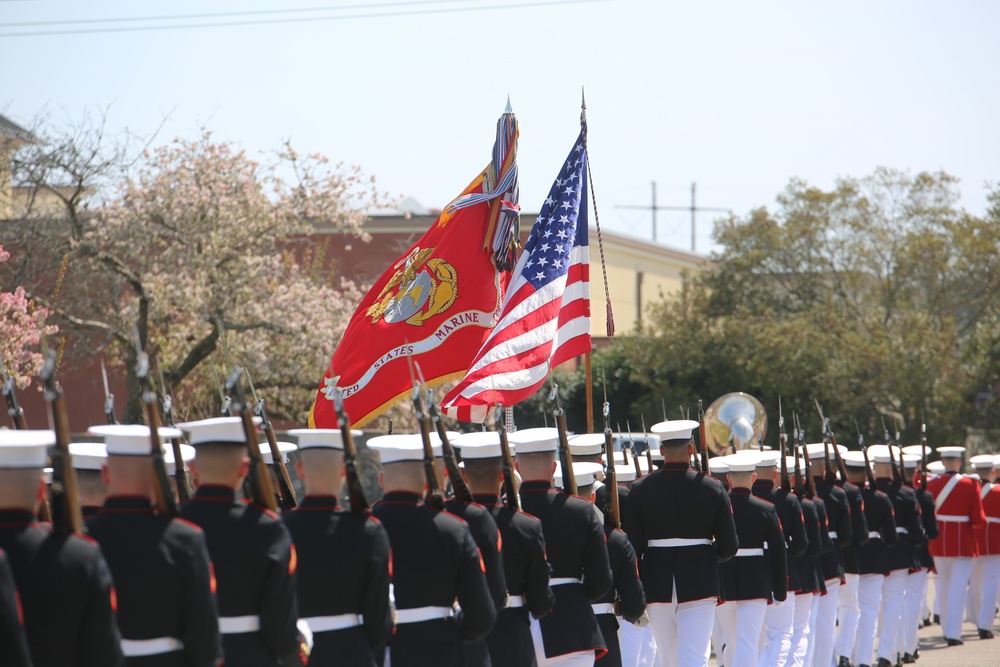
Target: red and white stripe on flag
<point>545,318</point>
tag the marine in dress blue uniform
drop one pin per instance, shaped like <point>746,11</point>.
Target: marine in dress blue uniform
<point>526,570</point>
<point>343,560</point>
<point>13,642</point>
<point>251,549</point>
<point>577,552</point>
<point>758,573</point>
<point>679,551</point>
<point>436,564</point>
<point>65,587</point>
<point>161,568</point>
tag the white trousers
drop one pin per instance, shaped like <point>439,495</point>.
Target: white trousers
<point>578,659</point>
<point>974,595</point>
<point>826,623</point>
<point>682,631</point>
<point>990,587</point>
<point>718,640</point>
<point>637,644</point>
<point>869,600</point>
<point>916,593</point>
<point>777,633</point>
<point>953,580</point>
<point>848,612</point>
<point>893,596</point>
<point>802,619</point>
<point>741,622</point>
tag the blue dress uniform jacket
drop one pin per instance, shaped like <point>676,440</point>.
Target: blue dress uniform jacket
<point>577,549</point>
<point>435,562</point>
<point>755,577</point>
<point>906,514</point>
<point>805,565</point>
<point>792,523</point>
<point>626,591</point>
<point>873,556</point>
<point>66,594</point>
<point>678,502</point>
<point>343,568</point>
<point>163,581</point>
<point>929,517</point>
<point>487,536</point>
<point>839,527</point>
<point>859,527</point>
<point>255,564</point>
<point>526,572</point>
<point>13,642</point>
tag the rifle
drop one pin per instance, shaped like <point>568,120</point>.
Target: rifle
<point>359,503</point>
<point>611,475</point>
<point>227,400</point>
<point>799,482</point>
<point>565,457</point>
<point>896,476</point>
<point>923,456</point>
<point>786,483</point>
<point>434,498</point>
<point>458,485</point>
<point>109,398</point>
<point>649,448</point>
<point>259,487</point>
<point>902,463</point>
<point>703,442</point>
<point>635,457</point>
<point>180,468</point>
<point>864,450</point>
<point>64,497</point>
<point>286,494</point>
<point>828,431</point>
<point>618,428</point>
<point>163,497</point>
<point>810,482</point>
<point>830,477</point>
<point>15,411</point>
<point>510,490</point>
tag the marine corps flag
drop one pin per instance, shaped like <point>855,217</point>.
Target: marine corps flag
<point>437,302</point>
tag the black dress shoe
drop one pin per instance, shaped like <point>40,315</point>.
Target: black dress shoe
<point>985,634</point>
<point>908,659</point>
<point>844,662</point>
<point>916,654</point>
<point>884,662</point>
<point>954,642</point>
<point>937,619</point>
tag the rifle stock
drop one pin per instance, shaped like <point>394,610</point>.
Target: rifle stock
<point>163,497</point>
<point>923,456</point>
<point>181,477</point>
<point>64,497</point>
<point>10,395</point>
<point>565,456</point>
<point>458,484</point>
<point>511,498</point>
<point>785,481</point>
<point>359,502</point>
<point>702,439</point>
<point>261,490</point>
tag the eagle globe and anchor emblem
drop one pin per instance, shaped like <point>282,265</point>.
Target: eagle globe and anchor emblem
<point>420,288</point>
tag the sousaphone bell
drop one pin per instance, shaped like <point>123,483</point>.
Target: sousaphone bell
<point>733,422</point>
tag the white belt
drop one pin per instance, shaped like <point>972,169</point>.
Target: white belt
<point>235,625</point>
<point>832,534</point>
<point>328,623</point>
<point>749,552</point>
<point>562,581</point>
<point>678,542</point>
<point>603,608</point>
<point>134,648</point>
<point>875,535</point>
<point>513,602</point>
<point>420,614</point>
<point>993,519</point>
<point>952,518</point>
<point>901,530</point>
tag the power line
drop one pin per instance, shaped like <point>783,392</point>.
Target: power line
<point>256,12</point>
<point>225,24</point>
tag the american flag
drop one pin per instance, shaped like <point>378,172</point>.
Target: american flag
<point>545,317</point>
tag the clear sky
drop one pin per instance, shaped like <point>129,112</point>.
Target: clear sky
<point>737,96</point>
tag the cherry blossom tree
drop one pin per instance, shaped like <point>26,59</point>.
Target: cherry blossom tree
<point>21,327</point>
<point>211,258</point>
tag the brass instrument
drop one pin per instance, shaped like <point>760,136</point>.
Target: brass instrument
<point>733,422</point>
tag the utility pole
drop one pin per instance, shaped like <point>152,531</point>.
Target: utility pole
<point>693,209</point>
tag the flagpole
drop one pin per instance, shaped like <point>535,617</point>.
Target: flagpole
<point>590,393</point>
